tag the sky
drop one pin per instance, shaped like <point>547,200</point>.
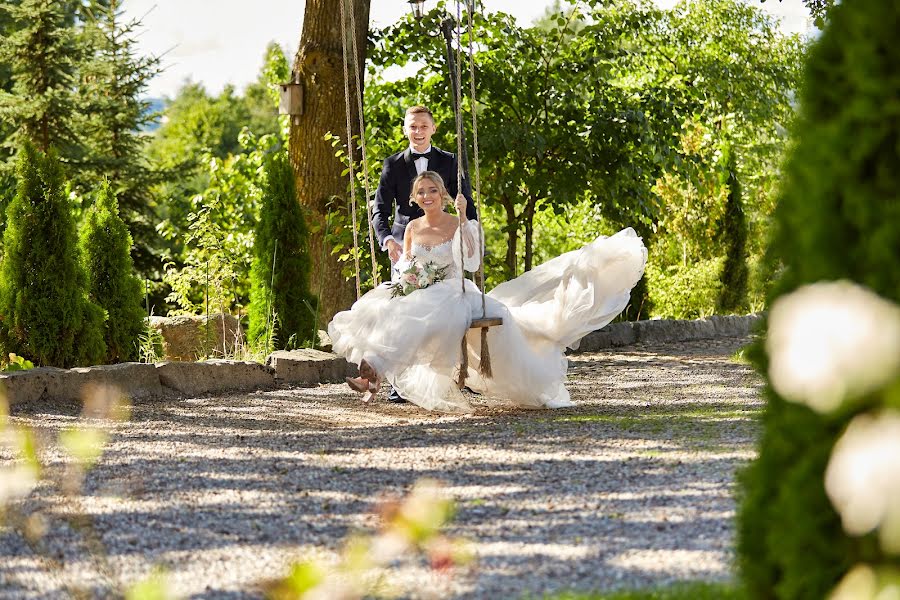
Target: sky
<point>221,42</point>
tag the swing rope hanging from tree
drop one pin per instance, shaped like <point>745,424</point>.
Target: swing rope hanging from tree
<point>484,323</point>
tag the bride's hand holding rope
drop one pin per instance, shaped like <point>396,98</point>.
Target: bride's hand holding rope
<point>460,205</point>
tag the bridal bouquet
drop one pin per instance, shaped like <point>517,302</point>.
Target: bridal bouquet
<point>417,276</point>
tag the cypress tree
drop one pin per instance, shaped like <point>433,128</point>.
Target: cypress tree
<point>46,314</point>
<point>838,217</point>
<point>733,228</point>
<point>105,251</point>
<point>279,295</point>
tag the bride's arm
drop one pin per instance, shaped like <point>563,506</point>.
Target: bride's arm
<point>408,237</point>
<point>472,238</point>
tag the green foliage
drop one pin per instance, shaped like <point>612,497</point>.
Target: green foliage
<point>46,314</point>
<point>594,102</point>
<point>685,291</point>
<point>43,52</point>
<point>282,310</point>
<point>838,218</point>
<point>196,139</point>
<point>733,231</point>
<point>819,10</point>
<point>112,284</point>
<point>219,240</point>
<point>17,363</point>
<point>150,344</point>
<point>197,122</point>
<point>113,79</point>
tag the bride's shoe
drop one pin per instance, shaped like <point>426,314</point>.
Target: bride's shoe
<point>357,384</point>
<point>368,382</point>
<point>374,387</point>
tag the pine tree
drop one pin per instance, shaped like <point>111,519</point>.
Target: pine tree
<point>112,284</point>
<point>46,314</point>
<point>282,310</point>
<point>42,52</point>
<point>113,80</point>
<point>732,297</point>
<point>838,218</point>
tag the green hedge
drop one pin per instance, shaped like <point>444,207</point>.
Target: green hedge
<point>838,218</point>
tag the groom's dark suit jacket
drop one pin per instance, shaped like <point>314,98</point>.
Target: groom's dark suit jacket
<point>392,195</point>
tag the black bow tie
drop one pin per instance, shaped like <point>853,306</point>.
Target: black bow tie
<point>416,156</point>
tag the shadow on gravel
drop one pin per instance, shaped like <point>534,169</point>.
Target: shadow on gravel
<point>630,487</point>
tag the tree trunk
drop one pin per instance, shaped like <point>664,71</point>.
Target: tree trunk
<point>512,235</point>
<point>528,216</point>
<point>319,68</point>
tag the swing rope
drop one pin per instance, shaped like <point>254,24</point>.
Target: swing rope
<point>483,323</point>
<point>362,135</point>
<point>350,149</point>
<point>485,366</point>
<point>351,32</point>
<point>464,347</point>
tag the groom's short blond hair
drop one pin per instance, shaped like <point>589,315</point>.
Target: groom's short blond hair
<point>418,110</point>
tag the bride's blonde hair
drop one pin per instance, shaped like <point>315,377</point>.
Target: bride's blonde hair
<point>436,179</point>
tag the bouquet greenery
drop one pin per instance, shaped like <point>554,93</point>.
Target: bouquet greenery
<point>417,276</point>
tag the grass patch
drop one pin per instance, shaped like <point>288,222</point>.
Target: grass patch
<point>680,591</point>
<point>740,356</point>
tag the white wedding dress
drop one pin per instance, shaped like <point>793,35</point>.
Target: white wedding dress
<point>413,341</point>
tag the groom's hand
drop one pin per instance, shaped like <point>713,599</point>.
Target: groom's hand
<point>394,250</point>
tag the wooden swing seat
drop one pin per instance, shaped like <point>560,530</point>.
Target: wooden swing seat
<point>485,322</point>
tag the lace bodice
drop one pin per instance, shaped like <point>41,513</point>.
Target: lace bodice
<point>440,255</point>
<point>447,253</point>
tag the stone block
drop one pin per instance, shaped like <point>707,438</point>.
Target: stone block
<point>136,380</point>
<point>189,337</point>
<point>309,367</point>
<point>213,376</point>
<point>33,384</point>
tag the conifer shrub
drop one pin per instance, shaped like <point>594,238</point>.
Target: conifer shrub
<point>733,293</point>
<point>282,309</point>
<point>838,217</point>
<point>106,253</point>
<point>45,311</point>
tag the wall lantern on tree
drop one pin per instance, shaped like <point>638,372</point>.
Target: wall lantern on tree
<point>417,7</point>
<point>291,98</point>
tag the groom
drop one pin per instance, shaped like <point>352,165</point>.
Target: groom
<point>395,186</point>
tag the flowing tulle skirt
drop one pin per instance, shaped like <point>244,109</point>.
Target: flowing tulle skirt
<point>414,340</point>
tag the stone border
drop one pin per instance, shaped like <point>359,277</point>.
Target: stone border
<point>172,379</point>
<point>306,367</point>
<point>664,330</point>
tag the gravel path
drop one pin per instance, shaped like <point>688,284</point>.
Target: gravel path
<point>633,487</point>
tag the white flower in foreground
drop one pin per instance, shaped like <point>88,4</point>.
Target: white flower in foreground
<point>863,582</point>
<point>863,477</point>
<point>830,340</point>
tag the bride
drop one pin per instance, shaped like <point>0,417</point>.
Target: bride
<point>413,340</point>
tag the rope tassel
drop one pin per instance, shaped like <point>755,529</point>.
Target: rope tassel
<point>485,367</point>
